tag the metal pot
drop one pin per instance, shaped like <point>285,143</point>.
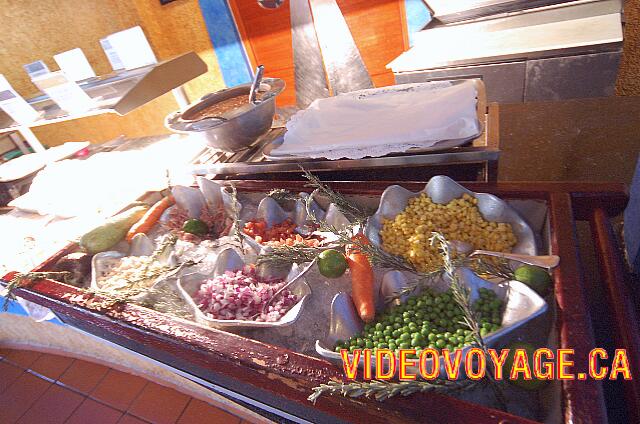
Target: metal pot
<point>235,130</point>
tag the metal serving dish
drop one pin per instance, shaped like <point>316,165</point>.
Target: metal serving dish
<point>141,245</point>
<point>273,214</point>
<point>525,315</point>
<point>442,190</point>
<point>235,130</point>
<point>229,260</point>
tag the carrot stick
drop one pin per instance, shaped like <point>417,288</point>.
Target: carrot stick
<point>150,218</point>
<point>361,280</point>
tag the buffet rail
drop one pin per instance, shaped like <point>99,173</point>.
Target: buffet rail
<point>282,379</point>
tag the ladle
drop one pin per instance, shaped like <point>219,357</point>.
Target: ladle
<point>546,261</point>
<point>256,84</point>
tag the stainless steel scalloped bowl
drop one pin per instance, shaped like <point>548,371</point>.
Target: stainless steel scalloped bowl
<point>442,190</point>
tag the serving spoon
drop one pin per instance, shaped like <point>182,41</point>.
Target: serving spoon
<point>545,261</point>
<point>256,84</point>
<point>287,285</point>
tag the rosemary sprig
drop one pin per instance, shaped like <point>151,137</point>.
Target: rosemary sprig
<point>492,267</point>
<point>135,287</point>
<point>236,228</point>
<point>351,211</point>
<point>421,280</point>
<point>21,280</point>
<point>462,296</point>
<point>383,390</point>
<point>376,255</point>
<point>167,242</point>
<point>282,195</point>
<point>285,255</point>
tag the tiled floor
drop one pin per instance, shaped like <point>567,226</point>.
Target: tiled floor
<point>40,388</point>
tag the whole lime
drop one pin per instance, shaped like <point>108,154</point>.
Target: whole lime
<point>535,277</point>
<point>332,263</point>
<point>534,383</point>
<point>195,226</point>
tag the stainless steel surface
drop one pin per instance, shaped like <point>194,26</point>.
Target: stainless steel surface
<point>257,79</point>
<point>448,11</point>
<point>523,307</point>
<point>345,68</point>
<point>240,128</point>
<point>572,28</point>
<point>311,80</point>
<point>253,162</point>
<point>442,190</point>
<point>572,77</point>
<point>326,59</point>
<point>504,82</point>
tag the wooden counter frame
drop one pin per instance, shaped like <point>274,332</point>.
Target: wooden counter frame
<point>283,379</point>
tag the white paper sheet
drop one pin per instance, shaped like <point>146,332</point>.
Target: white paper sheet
<point>380,121</point>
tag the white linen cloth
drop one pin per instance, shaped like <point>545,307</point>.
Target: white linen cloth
<point>376,122</point>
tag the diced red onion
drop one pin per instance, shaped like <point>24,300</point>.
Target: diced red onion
<point>241,295</point>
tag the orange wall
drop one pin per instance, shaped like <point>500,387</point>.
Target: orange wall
<point>378,28</point>
<point>40,29</point>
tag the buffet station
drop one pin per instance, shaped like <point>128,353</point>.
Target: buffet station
<point>283,260</point>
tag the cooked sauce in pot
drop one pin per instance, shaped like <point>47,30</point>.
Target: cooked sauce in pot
<point>221,108</point>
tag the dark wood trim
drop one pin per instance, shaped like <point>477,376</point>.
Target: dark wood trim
<point>620,302</point>
<point>583,401</point>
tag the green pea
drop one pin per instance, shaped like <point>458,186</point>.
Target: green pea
<point>405,345</point>
<point>368,344</point>
<point>405,337</point>
<point>432,337</point>
<point>411,301</point>
<point>440,343</point>
<point>393,346</point>
<point>379,326</point>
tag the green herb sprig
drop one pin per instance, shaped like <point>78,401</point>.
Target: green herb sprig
<point>383,390</point>
<point>22,280</point>
<point>351,211</point>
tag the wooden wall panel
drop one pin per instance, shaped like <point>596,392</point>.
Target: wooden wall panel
<point>378,28</point>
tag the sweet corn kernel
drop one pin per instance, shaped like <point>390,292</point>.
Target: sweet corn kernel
<point>408,233</point>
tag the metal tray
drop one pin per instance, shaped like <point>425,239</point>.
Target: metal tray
<point>438,147</point>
